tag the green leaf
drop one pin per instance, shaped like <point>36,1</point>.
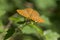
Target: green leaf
<point>1,27</point>
<point>10,32</point>
<point>16,18</point>
<point>31,28</point>
<point>50,35</point>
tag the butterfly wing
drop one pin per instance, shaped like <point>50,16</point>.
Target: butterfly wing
<point>29,10</point>
<point>35,16</point>
<point>31,14</point>
<point>23,13</point>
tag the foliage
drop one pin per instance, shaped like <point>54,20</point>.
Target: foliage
<point>14,26</point>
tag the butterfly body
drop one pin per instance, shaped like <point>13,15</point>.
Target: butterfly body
<point>31,14</point>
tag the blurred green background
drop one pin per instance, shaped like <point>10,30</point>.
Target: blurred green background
<point>15,27</point>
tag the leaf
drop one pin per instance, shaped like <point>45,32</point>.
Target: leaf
<point>50,35</point>
<point>1,27</point>
<point>30,29</point>
<point>2,12</point>
<point>16,18</point>
<point>10,32</point>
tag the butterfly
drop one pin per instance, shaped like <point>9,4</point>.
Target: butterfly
<point>31,14</point>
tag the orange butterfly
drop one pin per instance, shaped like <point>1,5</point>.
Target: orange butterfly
<point>31,14</point>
